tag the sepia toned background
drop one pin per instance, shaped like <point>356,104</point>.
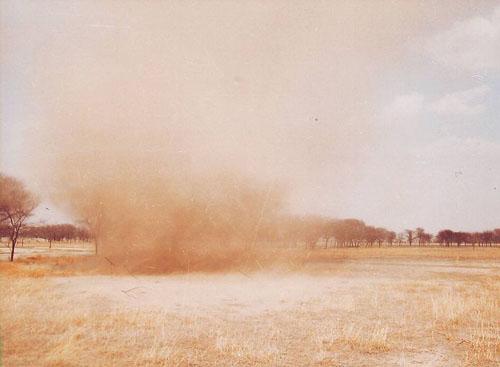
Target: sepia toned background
<point>354,108</point>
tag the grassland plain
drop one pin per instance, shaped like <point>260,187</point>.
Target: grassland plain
<point>338,307</point>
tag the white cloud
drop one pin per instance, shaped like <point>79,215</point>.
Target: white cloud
<point>461,150</point>
<point>471,45</point>
<point>405,106</point>
<point>464,103</point>
<point>468,102</point>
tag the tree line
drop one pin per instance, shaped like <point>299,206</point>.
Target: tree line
<point>448,237</point>
<point>51,232</point>
<point>17,205</point>
<point>320,232</point>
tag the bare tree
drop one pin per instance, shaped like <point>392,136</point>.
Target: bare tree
<point>16,205</point>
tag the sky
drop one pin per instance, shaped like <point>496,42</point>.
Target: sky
<point>383,111</point>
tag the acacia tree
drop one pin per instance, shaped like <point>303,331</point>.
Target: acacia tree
<point>16,205</point>
<point>425,238</point>
<point>445,237</point>
<point>382,235</point>
<point>460,237</point>
<point>401,237</point>
<point>418,234</point>
<point>409,236</point>
<point>487,237</point>
<point>496,235</point>
<point>390,237</point>
<point>371,235</point>
<point>422,236</point>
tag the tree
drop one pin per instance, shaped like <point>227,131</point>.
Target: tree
<point>418,234</point>
<point>371,235</point>
<point>425,238</point>
<point>350,232</point>
<point>422,236</point>
<point>401,238</point>
<point>16,205</point>
<point>487,237</point>
<point>445,237</point>
<point>496,233</point>
<point>382,235</point>
<point>409,236</point>
<point>475,238</point>
<point>390,237</point>
<point>460,237</point>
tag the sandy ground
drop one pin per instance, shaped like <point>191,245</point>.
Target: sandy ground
<point>257,293</point>
<point>364,312</point>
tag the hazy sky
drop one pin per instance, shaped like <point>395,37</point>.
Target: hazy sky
<point>384,111</point>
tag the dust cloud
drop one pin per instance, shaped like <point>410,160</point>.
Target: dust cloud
<point>181,131</point>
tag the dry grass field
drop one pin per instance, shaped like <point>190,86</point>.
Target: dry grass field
<point>32,247</point>
<point>341,307</point>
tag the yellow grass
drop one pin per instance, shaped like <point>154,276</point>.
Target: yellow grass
<point>368,311</point>
<point>407,252</point>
